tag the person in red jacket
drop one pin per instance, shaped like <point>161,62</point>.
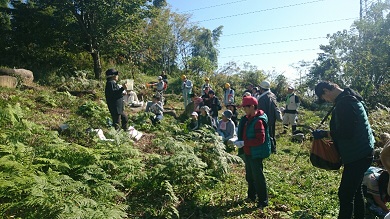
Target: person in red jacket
<point>254,142</point>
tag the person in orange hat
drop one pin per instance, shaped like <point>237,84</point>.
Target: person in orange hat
<point>254,145</point>
<point>206,84</point>
<point>228,96</point>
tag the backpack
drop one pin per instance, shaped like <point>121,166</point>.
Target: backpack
<point>165,86</point>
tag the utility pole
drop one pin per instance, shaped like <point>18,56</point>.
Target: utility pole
<point>365,6</point>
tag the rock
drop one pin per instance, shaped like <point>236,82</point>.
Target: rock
<point>27,76</point>
<point>8,81</point>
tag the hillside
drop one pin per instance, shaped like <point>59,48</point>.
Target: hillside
<point>48,172</point>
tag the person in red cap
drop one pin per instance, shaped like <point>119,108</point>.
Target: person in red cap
<point>254,144</point>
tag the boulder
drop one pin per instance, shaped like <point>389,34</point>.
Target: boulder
<point>8,81</point>
<point>27,76</point>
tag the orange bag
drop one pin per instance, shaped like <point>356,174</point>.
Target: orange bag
<point>324,155</point>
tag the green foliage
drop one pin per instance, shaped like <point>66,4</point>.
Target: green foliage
<point>45,177</point>
<point>358,58</point>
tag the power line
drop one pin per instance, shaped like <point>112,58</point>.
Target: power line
<point>213,6</point>
<point>276,42</point>
<point>269,53</point>
<point>286,27</point>
<point>268,9</point>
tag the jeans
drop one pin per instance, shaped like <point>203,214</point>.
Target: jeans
<point>350,191</point>
<point>256,181</point>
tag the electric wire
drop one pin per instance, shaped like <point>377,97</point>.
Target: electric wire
<point>275,42</point>
<point>268,9</point>
<point>269,53</point>
<point>292,26</point>
<point>213,6</point>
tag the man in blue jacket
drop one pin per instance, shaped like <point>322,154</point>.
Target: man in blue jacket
<point>353,137</point>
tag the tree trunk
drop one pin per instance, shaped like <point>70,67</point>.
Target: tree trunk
<point>97,66</point>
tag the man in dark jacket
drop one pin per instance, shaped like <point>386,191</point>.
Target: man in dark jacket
<point>114,98</point>
<point>267,103</point>
<point>352,135</point>
<point>215,106</point>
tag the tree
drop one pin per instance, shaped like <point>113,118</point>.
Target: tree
<point>93,24</point>
<point>359,57</point>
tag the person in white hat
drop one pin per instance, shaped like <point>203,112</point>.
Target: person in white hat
<point>194,121</point>
<point>268,103</point>
<point>290,116</point>
<point>204,117</point>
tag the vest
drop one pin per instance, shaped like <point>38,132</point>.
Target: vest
<point>263,150</point>
<point>291,103</point>
<point>362,143</point>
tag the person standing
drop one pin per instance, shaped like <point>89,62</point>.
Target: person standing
<point>215,106</point>
<point>267,102</point>
<point>228,96</point>
<point>291,112</point>
<point>206,84</point>
<point>254,142</point>
<point>114,98</point>
<point>352,135</point>
<point>205,96</point>
<point>186,88</point>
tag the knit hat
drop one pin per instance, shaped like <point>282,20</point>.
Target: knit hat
<point>228,114</point>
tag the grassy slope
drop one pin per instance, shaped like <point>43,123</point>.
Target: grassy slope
<point>296,189</point>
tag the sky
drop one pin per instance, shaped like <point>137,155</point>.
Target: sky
<point>272,35</point>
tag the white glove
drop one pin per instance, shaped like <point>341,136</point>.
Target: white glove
<point>239,144</point>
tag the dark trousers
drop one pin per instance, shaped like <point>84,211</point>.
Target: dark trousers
<point>119,119</point>
<point>256,181</point>
<point>350,190</point>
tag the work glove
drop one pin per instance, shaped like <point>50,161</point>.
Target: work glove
<point>239,144</point>
<point>318,134</point>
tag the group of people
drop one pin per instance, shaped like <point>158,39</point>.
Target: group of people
<point>349,129</point>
